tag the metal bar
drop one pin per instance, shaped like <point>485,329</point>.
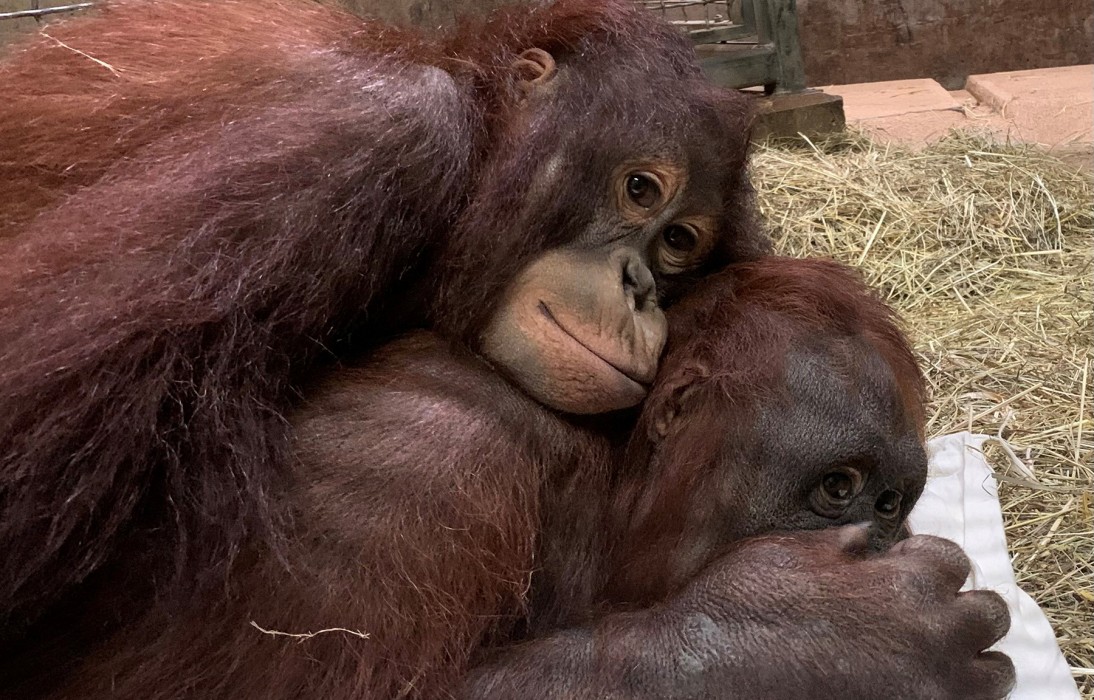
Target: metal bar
<point>782,22</point>
<point>702,23</point>
<point>673,4</point>
<point>748,14</point>
<point>761,19</point>
<point>42,11</point>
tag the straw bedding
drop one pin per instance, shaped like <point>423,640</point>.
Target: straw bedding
<point>987,251</point>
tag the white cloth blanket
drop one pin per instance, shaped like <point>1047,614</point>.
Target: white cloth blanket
<point>961,503</point>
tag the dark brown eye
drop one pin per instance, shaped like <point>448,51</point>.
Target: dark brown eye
<point>642,190</point>
<point>681,239</point>
<point>888,503</point>
<point>838,486</point>
<point>836,492</point>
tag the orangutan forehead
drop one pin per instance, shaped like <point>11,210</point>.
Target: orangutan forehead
<point>841,398</point>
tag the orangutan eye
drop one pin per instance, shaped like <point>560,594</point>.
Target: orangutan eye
<point>838,486</point>
<point>643,190</point>
<point>836,492</point>
<point>682,239</point>
<point>682,247</point>
<point>888,504</point>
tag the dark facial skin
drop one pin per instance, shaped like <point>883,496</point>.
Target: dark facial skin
<point>819,450</point>
<point>781,377</point>
<point>782,424</point>
<point>833,450</point>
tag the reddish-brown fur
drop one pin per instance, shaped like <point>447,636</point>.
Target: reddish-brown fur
<point>730,339</point>
<point>204,202</point>
<point>442,513</point>
<point>634,596</point>
<point>733,346</point>
<point>415,505</point>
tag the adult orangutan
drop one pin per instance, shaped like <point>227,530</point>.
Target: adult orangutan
<point>787,399</point>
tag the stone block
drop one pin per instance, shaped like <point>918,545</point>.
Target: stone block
<point>811,113</point>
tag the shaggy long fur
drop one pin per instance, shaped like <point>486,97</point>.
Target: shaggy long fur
<point>201,201</point>
<point>415,499</point>
<point>746,617</point>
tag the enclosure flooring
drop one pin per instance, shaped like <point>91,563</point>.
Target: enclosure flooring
<point>1052,107</point>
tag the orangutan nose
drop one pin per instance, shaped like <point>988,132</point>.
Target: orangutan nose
<point>638,282</point>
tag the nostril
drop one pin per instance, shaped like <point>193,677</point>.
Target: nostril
<point>638,284</point>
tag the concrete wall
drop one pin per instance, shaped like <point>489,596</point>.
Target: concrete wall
<point>13,27</point>
<point>423,13</point>
<point>853,41</point>
<point>849,41</point>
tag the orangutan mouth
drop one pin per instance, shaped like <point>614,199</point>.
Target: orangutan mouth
<point>546,311</point>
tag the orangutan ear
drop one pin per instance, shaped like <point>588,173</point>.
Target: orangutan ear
<point>674,397</point>
<point>534,68</point>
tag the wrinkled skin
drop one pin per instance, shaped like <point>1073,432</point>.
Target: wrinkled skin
<point>803,591</point>
<point>800,615</point>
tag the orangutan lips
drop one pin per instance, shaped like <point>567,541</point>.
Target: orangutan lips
<point>629,375</point>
